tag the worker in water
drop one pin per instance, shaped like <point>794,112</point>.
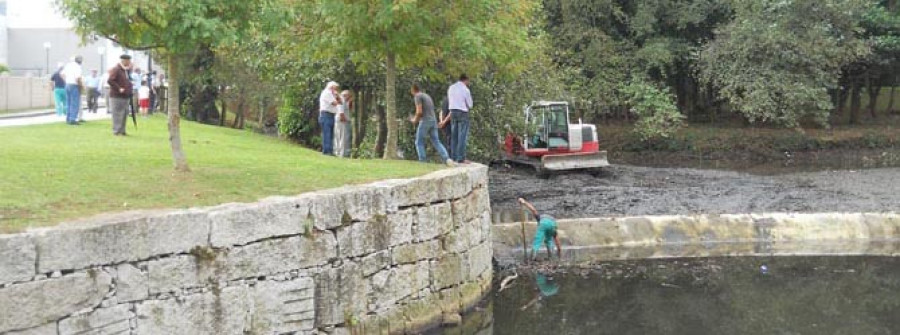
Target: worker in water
<point>546,232</point>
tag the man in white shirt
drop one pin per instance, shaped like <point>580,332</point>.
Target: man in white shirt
<point>328,102</point>
<point>460,101</point>
<point>73,75</point>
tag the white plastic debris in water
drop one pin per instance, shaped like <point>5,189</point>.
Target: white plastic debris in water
<point>764,269</point>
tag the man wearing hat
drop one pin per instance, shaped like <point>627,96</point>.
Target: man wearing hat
<point>73,76</point>
<point>120,92</point>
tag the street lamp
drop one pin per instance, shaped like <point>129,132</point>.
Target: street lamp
<point>47,49</point>
<point>102,52</point>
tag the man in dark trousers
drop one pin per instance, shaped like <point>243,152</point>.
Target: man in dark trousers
<point>121,90</point>
<point>545,234</point>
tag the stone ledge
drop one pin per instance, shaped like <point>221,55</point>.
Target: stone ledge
<point>711,235</point>
<point>78,246</point>
<point>18,258</point>
<point>317,262</point>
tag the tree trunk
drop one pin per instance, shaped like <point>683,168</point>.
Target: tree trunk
<point>224,114</point>
<point>262,112</point>
<point>239,113</point>
<point>390,147</point>
<point>890,106</point>
<point>873,91</point>
<point>362,117</point>
<point>381,137</point>
<point>174,118</point>
<point>855,93</point>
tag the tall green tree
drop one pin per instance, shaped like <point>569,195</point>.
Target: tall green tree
<point>777,59</point>
<point>173,27</point>
<point>453,36</point>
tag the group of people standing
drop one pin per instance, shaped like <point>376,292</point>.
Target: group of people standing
<point>335,112</point>
<point>67,83</point>
<point>128,89</point>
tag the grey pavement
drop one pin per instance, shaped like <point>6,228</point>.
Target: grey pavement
<point>42,117</point>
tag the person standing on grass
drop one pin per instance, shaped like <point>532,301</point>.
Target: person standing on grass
<point>135,76</point>
<point>460,101</point>
<point>120,91</point>
<point>427,125</point>
<point>328,105</point>
<point>58,85</point>
<point>93,91</point>
<point>72,73</point>
<point>144,98</point>
<point>343,129</point>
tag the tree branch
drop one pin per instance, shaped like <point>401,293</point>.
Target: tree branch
<point>132,47</point>
<point>144,18</point>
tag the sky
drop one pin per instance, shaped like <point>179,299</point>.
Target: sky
<point>34,14</point>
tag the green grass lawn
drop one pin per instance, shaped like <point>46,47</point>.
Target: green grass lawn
<point>51,173</point>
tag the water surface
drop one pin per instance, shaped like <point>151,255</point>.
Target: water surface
<point>737,295</point>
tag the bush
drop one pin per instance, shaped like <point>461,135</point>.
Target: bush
<point>658,118</point>
<point>295,123</point>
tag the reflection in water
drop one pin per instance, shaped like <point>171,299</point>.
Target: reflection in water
<point>797,295</point>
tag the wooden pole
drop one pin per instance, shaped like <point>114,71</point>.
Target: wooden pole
<point>524,241</point>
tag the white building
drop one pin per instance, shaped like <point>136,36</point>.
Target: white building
<point>35,38</point>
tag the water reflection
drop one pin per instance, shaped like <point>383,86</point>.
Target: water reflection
<point>797,295</point>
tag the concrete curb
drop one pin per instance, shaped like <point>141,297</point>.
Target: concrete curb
<point>26,115</point>
<point>712,235</point>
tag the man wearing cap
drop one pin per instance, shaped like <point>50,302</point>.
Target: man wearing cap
<point>73,76</point>
<point>120,91</point>
<point>328,102</point>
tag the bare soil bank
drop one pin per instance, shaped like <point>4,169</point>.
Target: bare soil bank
<point>624,190</point>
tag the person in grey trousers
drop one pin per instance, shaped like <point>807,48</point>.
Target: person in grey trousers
<point>120,91</point>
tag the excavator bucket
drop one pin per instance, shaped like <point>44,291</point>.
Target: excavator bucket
<point>574,161</point>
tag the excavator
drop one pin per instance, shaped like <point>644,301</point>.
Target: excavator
<point>553,143</point>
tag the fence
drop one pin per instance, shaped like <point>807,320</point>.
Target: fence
<point>17,93</point>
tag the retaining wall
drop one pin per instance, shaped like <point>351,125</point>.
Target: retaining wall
<point>25,93</point>
<point>712,235</point>
<point>389,257</point>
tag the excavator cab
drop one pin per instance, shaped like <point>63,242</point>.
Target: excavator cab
<point>549,126</point>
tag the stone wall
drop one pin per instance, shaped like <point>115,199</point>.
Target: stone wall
<point>712,235</point>
<point>389,257</point>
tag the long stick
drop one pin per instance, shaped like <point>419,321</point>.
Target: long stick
<point>133,118</point>
<point>524,242</point>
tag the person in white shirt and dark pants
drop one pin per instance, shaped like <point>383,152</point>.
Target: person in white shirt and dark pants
<point>460,101</point>
<point>72,74</point>
<point>328,102</point>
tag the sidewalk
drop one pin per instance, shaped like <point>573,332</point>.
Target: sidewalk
<point>33,113</point>
<point>44,116</point>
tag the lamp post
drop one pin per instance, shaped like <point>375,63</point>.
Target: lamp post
<point>47,49</point>
<point>102,52</point>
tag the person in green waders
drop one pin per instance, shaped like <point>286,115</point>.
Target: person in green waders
<point>546,233</point>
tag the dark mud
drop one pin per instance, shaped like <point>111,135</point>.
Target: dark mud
<point>623,190</point>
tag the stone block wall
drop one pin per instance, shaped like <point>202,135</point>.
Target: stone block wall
<point>390,257</point>
<point>710,235</point>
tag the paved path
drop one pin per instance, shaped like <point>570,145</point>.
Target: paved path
<point>29,119</point>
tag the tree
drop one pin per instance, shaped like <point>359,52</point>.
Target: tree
<point>456,36</point>
<point>777,59</point>
<point>173,27</point>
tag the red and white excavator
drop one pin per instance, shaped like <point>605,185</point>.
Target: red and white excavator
<point>552,142</point>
